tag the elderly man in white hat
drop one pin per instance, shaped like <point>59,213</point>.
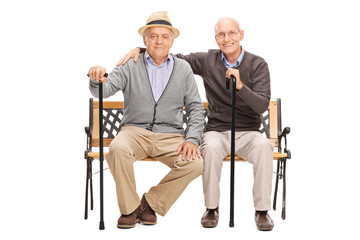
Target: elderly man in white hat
<point>155,90</point>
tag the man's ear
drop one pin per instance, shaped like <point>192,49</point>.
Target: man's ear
<point>172,42</point>
<point>241,35</point>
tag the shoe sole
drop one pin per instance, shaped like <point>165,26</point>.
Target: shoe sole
<point>265,229</point>
<point>147,222</point>
<point>209,226</point>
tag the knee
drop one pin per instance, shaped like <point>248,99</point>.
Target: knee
<point>263,145</point>
<point>194,167</point>
<point>261,153</point>
<point>120,148</point>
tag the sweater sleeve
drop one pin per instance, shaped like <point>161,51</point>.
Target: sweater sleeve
<point>196,61</point>
<point>116,81</point>
<point>194,110</point>
<point>258,96</point>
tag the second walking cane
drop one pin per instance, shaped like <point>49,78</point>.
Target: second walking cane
<point>232,170</point>
<point>101,157</point>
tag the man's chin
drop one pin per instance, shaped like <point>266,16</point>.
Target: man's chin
<point>228,50</point>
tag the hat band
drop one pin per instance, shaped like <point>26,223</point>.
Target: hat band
<point>163,22</point>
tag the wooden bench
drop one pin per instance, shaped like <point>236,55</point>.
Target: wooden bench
<point>112,115</point>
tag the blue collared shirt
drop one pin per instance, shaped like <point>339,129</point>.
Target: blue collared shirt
<point>158,75</point>
<point>235,64</point>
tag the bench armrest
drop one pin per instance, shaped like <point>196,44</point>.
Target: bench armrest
<point>87,131</point>
<point>283,134</point>
<point>88,140</point>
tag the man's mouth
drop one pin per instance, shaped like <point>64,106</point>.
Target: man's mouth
<point>228,44</point>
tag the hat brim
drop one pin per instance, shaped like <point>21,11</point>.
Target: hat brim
<point>142,29</point>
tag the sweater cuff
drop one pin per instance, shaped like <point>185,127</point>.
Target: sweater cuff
<point>93,82</point>
<point>193,140</point>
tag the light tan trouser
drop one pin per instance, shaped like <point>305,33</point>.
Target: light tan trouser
<point>251,146</point>
<point>134,143</point>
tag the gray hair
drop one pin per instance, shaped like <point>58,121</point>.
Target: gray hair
<point>223,18</point>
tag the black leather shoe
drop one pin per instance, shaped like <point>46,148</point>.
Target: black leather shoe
<point>263,221</point>
<point>210,218</point>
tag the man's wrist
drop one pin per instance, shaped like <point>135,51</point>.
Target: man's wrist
<point>192,140</point>
<point>239,86</point>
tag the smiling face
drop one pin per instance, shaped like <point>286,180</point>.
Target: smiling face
<point>228,36</point>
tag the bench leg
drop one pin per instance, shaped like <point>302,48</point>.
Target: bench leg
<point>91,187</point>
<point>281,174</point>
<point>276,184</point>
<point>87,187</point>
<point>88,180</point>
<point>283,214</point>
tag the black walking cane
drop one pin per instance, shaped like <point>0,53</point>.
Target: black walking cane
<point>101,157</point>
<point>232,170</point>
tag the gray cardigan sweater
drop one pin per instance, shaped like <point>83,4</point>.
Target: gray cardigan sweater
<point>165,115</point>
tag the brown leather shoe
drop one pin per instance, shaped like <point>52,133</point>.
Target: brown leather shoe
<point>210,218</point>
<point>129,221</point>
<point>263,221</point>
<point>147,215</point>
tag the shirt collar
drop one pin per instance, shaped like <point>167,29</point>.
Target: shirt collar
<point>148,60</point>
<point>235,64</point>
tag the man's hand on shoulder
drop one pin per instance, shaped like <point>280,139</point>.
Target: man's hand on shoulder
<point>135,53</point>
<point>189,151</point>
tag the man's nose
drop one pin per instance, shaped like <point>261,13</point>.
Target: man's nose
<point>158,40</point>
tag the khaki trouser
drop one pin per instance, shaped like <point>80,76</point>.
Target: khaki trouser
<point>134,143</point>
<point>251,146</point>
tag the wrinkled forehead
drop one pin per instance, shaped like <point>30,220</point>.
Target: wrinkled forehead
<point>159,30</point>
<point>226,24</point>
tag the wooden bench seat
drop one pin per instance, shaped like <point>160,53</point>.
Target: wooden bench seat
<point>277,155</point>
<point>112,115</point>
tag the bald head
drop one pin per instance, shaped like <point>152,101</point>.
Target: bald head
<point>227,21</point>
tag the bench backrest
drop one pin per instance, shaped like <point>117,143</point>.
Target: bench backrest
<point>113,113</point>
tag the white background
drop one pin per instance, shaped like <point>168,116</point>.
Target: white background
<point>46,49</point>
